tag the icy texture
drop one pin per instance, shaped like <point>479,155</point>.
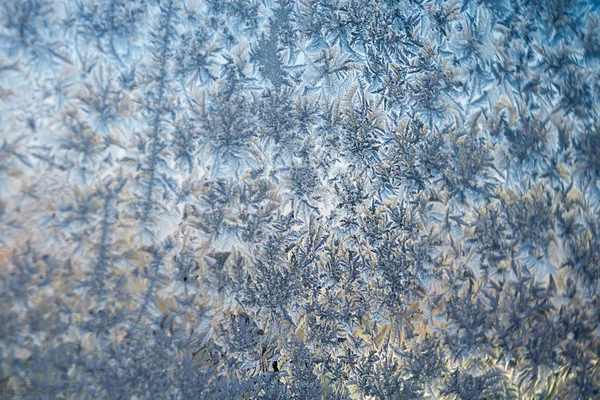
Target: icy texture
<point>313,199</point>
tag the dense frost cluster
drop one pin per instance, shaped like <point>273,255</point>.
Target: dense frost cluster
<point>299,199</point>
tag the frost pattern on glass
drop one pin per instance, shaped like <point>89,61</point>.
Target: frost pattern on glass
<point>312,199</point>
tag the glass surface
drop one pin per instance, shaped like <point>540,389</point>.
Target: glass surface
<point>299,199</point>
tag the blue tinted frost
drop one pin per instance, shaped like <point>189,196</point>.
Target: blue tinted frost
<point>313,199</point>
